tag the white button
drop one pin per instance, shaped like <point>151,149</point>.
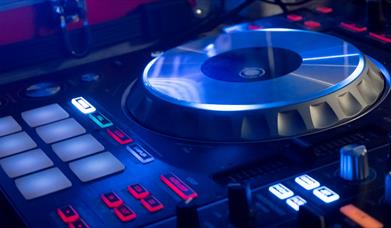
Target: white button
<point>25,163</point>
<point>60,130</point>
<point>44,115</point>
<point>281,191</point>
<point>15,143</point>
<point>8,125</point>
<point>307,182</point>
<point>295,202</point>
<point>83,105</point>
<point>325,194</point>
<point>42,183</point>
<point>96,166</point>
<point>78,147</point>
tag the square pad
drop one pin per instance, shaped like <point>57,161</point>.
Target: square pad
<point>78,147</point>
<point>42,183</point>
<point>25,163</point>
<point>16,143</point>
<point>60,130</point>
<point>44,115</point>
<point>8,125</point>
<point>96,166</point>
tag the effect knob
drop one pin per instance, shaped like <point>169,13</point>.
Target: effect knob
<point>354,162</point>
<point>239,204</point>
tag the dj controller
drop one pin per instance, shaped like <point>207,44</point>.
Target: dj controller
<point>283,121</point>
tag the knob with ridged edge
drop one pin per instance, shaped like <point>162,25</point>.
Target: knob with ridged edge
<point>354,163</point>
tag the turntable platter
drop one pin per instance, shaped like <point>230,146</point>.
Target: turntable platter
<point>256,85</point>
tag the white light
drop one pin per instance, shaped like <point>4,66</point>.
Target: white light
<point>281,191</point>
<point>326,194</point>
<point>331,57</point>
<point>198,11</point>
<point>83,105</point>
<point>307,182</point>
<point>295,202</point>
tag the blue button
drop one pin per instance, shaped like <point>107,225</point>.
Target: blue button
<point>101,120</point>
<point>307,182</point>
<point>8,125</point>
<point>16,143</point>
<point>325,194</point>
<point>61,130</point>
<point>295,202</point>
<point>140,153</point>
<point>281,191</point>
<point>44,115</point>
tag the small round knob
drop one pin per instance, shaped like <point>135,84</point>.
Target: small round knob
<point>354,162</point>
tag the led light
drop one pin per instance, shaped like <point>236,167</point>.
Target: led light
<point>326,194</point>
<point>295,202</point>
<point>83,105</point>
<point>281,191</point>
<point>307,182</point>
<point>101,120</point>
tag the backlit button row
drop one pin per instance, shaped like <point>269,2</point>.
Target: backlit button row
<point>122,211</point>
<point>147,200</point>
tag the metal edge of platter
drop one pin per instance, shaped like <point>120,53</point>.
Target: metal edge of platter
<point>346,104</point>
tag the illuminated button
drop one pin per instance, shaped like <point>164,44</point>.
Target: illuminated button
<point>152,204</point>
<point>326,194</point>
<point>16,143</point>
<point>307,182</point>
<point>178,186</point>
<point>324,9</point>
<point>254,27</point>
<point>101,120</point>
<point>83,105</point>
<point>96,166</point>
<point>79,224</point>
<point>111,200</point>
<point>78,147</point>
<point>119,136</point>
<point>295,202</point>
<point>380,37</point>
<point>352,27</point>
<point>8,125</point>
<point>44,115</point>
<point>312,24</point>
<point>42,183</point>
<point>60,130</point>
<point>25,163</point>
<point>360,217</point>
<point>68,214</point>
<point>140,153</point>
<point>294,17</point>
<point>124,213</point>
<point>280,191</point>
<point>138,191</point>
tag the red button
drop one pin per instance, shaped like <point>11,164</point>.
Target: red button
<point>254,27</point>
<point>79,224</point>
<point>138,191</point>
<point>294,17</point>
<point>380,37</point>
<point>312,24</point>
<point>68,214</point>
<point>324,9</point>
<point>111,200</point>
<point>119,136</point>
<point>124,213</point>
<point>178,186</point>
<point>353,27</point>
<point>152,204</point>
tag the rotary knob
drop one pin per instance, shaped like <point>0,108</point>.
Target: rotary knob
<point>239,204</point>
<point>354,162</point>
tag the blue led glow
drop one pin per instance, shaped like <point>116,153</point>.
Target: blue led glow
<point>295,202</point>
<point>281,191</point>
<point>307,182</point>
<point>83,105</point>
<point>325,194</point>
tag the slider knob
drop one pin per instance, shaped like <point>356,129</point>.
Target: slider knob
<point>239,204</point>
<point>187,215</point>
<point>354,162</point>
